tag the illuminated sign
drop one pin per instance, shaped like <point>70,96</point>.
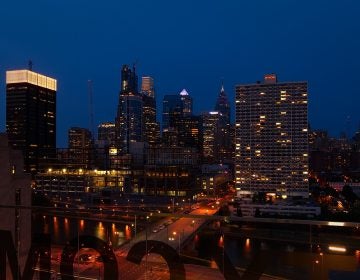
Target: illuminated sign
<point>27,76</point>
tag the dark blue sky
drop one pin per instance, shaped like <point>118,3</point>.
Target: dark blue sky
<point>186,44</point>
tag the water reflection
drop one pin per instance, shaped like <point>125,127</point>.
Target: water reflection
<point>63,230</point>
<point>278,256</point>
<point>56,227</point>
<point>247,245</point>
<point>221,241</point>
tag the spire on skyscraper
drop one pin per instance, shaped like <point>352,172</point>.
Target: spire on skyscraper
<point>222,104</point>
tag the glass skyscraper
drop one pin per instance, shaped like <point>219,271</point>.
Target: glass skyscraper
<point>151,126</point>
<point>129,119</point>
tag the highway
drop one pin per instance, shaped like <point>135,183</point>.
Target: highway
<point>170,230</point>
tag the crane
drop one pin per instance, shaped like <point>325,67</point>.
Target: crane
<point>91,108</point>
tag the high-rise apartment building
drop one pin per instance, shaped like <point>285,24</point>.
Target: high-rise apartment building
<point>31,116</point>
<point>151,126</point>
<point>129,119</point>
<point>271,153</point>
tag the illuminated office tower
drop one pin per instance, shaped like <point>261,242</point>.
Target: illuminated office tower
<point>151,127</point>
<point>147,86</point>
<point>106,134</point>
<point>80,146</point>
<point>129,80</point>
<point>187,103</point>
<point>271,153</point>
<point>224,141</point>
<point>210,136</point>
<point>179,126</point>
<point>223,106</point>
<point>172,109</point>
<point>188,131</point>
<point>31,116</point>
<point>129,119</point>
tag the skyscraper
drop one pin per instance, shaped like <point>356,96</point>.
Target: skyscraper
<point>31,116</point>
<point>188,131</point>
<point>106,134</point>
<point>179,126</point>
<point>187,103</point>
<point>129,119</point>
<point>172,109</point>
<point>80,146</point>
<point>210,136</point>
<point>147,86</point>
<point>223,140</point>
<point>129,80</point>
<point>271,153</point>
<point>151,126</point>
<point>223,106</point>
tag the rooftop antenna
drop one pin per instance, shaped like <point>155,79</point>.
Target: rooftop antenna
<point>91,109</point>
<point>30,65</point>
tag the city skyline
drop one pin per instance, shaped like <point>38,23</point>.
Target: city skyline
<point>310,42</point>
<point>179,139</point>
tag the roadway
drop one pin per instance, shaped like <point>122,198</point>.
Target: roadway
<point>170,230</point>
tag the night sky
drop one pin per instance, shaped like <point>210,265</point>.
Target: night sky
<point>186,44</point>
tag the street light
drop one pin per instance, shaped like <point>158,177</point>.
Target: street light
<point>146,245</point>
<point>174,233</point>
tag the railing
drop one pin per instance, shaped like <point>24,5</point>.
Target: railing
<point>125,243</point>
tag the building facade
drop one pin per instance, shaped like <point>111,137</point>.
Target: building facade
<point>180,127</point>
<point>107,134</point>
<point>210,136</point>
<point>271,153</point>
<point>15,189</point>
<point>31,116</point>
<point>81,152</point>
<point>151,126</point>
<point>129,119</point>
<point>224,141</point>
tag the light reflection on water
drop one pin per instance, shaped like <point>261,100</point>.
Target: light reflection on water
<point>63,230</point>
<point>281,257</point>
